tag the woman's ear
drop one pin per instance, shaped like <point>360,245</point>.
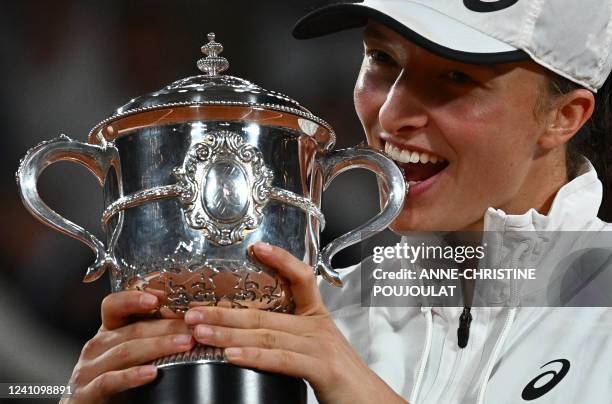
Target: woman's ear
<point>568,114</point>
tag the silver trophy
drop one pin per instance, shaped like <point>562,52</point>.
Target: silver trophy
<point>193,175</point>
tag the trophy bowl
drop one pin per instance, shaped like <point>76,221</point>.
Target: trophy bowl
<point>193,175</point>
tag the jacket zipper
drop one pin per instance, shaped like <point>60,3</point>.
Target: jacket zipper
<point>463,332</point>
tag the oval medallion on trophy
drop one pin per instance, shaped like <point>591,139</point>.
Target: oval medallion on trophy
<point>226,191</point>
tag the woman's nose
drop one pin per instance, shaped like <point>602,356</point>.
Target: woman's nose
<point>403,110</point>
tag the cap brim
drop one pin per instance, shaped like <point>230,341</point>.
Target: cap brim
<point>428,28</point>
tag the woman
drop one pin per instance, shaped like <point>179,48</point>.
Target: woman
<point>482,110</point>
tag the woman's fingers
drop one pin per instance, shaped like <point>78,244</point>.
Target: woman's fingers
<point>110,383</point>
<point>279,361</point>
<point>132,353</point>
<point>269,339</point>
<point>112,361</point>
<point>248,319</point>
<point>301,277</point>
<point>118,307</point>
<point>103,341</point>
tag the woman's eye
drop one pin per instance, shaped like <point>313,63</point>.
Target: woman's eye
<point>459,77</point>
<point>379,57</point>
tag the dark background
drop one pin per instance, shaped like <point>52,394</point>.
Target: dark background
<point>66,65</point>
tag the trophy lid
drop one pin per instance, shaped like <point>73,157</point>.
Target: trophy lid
<point>210,96</point>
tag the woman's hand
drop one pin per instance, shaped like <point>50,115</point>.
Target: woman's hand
<point>307,345</point>
<point>112,361</point>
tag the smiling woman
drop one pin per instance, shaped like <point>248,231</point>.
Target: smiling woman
<point>471,116</point>
<point>483,105</point>
<point>471,99</point>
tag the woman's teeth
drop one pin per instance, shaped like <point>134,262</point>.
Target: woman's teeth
<point>407,156</point>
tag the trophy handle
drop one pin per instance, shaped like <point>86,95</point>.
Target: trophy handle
<point>98,159</point>
<point>335,163</point>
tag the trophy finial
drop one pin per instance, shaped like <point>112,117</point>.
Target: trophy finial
<point>212,64</point>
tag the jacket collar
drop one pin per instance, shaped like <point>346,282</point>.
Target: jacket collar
<point>512,238</point>
<point>532,239</point>
<point>574,207</point>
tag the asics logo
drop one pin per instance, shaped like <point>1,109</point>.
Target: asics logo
<point>488,6</point>
<point>531,391</point>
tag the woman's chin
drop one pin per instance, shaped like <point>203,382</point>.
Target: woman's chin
<point>403,224</point>
<point>412,221</point>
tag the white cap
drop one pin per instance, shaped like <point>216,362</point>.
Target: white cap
<point>572,38</point>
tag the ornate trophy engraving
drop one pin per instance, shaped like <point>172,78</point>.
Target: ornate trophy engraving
<point>193,175</point>
<point>220,201</point>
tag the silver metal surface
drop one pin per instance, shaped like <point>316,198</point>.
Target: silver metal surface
<point>235,186</point>
<point>178,190</point>
<point>140,197</point>
<point>98,159</point>
<point>212,64</point>
<point>227,184</point>
<point>306,205</point>
<point>199,354</point>
<point>337,162</point>
<point>99,132</point>
<point>148,239</point>
<point>213,89</point>
<point>192,178</point>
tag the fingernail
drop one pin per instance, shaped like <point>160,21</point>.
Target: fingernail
<point>232,353</point>
<point>148,300</point>
<point>181,340</point>
<point>263,247</point>
<point>147,370</point>
<point>203,331</point>
<point>193,317</point>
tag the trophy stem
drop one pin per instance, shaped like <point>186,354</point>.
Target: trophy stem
<point>216,382</point>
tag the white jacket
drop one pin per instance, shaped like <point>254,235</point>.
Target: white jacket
<point>415,350</point>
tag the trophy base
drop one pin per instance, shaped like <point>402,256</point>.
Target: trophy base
<point>211,383</point>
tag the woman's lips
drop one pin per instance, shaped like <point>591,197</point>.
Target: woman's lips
<point>416,188</point>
